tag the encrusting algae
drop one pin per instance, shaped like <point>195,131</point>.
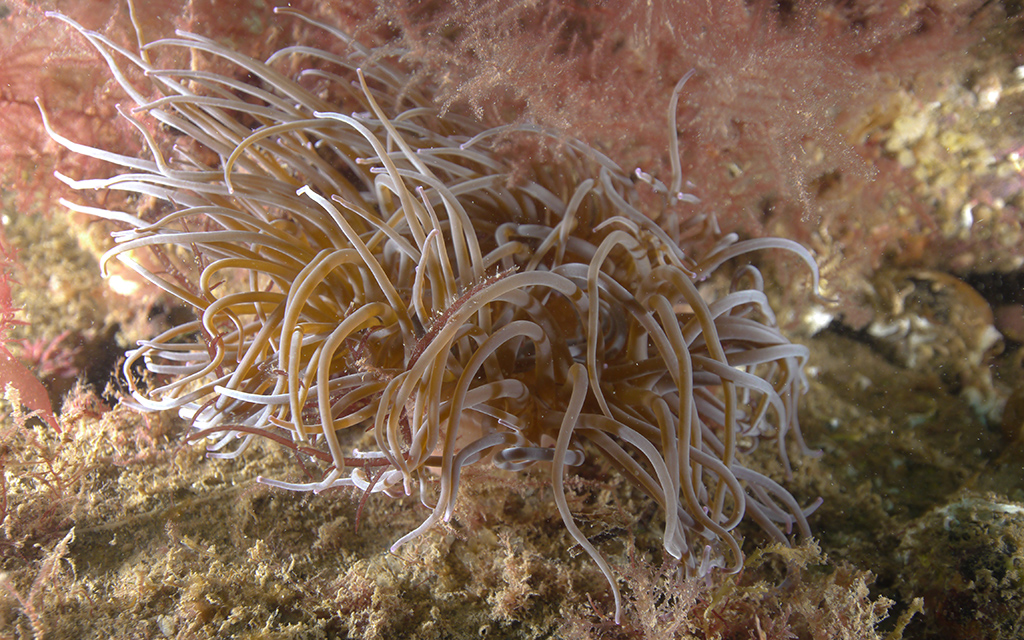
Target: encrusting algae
<point>358,262</point>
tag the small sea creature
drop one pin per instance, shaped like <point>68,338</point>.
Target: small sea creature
<point>357,261</point>
<point>14,376</point>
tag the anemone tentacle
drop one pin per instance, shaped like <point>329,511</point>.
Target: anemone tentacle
<point>363,260</point>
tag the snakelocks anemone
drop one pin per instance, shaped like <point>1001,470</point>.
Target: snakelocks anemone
<point>357,261</point>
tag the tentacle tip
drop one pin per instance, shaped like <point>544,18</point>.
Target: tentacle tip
<point>822,299</point>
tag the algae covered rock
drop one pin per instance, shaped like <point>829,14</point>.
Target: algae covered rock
<point>966,559</point>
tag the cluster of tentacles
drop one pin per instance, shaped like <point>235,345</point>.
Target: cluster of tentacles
<point>378,268</point>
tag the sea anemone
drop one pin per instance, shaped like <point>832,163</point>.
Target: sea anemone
<point>357,262</point>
